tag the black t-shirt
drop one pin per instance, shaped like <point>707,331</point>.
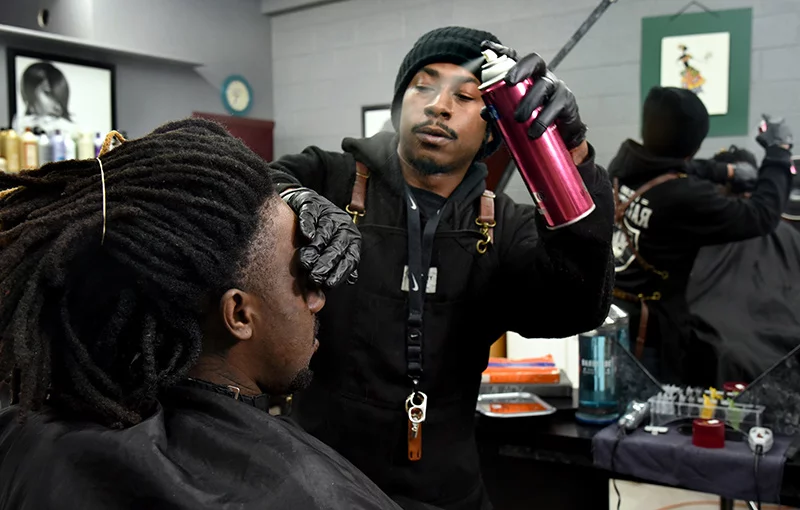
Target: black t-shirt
<point>429,202</point>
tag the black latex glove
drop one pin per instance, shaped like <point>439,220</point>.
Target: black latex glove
<point>334,243</point>
<point>548,91</point>
<point>744,178</point>
<point>774,133</point>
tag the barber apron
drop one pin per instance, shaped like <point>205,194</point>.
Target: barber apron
<point>401,356</point>
<point>677,358</point>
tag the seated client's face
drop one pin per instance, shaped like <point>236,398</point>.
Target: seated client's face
<point>286,304</point>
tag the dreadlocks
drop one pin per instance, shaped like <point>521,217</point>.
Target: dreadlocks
<point>734,154</point>
<point>102,327</point>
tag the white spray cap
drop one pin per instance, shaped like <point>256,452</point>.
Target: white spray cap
<point>489,55</point>
<point>495,68</point>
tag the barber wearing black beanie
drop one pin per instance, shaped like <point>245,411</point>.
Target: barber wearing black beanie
<point>480,265</point>
<point>666,212</point>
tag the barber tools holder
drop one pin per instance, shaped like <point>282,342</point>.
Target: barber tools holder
<point>674,403</point>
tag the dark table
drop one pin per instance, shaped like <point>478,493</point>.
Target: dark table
<point>546,462</point>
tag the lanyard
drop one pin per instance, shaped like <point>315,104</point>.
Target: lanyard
<point>420,249</point>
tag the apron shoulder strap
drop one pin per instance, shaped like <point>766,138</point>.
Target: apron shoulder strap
<point>619,215</point>
<point>357,207</point>
<point>358,199</point>
<point>621,207</point>
<point>486,220</point>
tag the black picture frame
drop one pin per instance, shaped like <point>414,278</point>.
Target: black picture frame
<point>12,54</point>
<point>383,111</point>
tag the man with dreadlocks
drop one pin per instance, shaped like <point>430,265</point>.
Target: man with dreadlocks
<point>151,299</point>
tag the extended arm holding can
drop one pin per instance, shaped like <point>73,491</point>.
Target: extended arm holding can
<point>556,268</point>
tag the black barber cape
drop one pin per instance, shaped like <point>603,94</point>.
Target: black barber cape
<point>745,298</point>
<point>200,450</point>
<point>668,225</point>
<point>536,282</point>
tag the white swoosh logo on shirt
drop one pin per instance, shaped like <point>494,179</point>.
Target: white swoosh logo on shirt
<point>413,204</point>
<point>414,285</point>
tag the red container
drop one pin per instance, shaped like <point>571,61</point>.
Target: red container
<point>708,433</point>
<point>734,387</point>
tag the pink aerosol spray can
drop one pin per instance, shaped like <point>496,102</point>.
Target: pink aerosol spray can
<point>545,163</point>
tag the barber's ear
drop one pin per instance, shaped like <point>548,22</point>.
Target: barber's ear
<point>237,311</point>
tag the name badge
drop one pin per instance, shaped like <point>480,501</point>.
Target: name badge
<point>430,286</point>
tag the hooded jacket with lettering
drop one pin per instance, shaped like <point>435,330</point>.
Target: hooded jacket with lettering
<point>668,224</point>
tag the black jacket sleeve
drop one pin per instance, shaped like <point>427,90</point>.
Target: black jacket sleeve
<point>557,283</point>
<point>709,170</point>
<point>331,174</point>
<point>707,217</point>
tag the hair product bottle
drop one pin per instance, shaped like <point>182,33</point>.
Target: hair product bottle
<point>59,146</point>
<point>45,149</point>
<point>86,146</point>
<point>70,147</point>
<point>11,151</point>
<point>98,144</point>
<point>545,163</point>
<point>30,149</point>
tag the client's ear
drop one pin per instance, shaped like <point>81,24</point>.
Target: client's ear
<point>237,312</point>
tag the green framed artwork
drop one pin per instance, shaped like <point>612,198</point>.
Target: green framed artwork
<point>708,53</point>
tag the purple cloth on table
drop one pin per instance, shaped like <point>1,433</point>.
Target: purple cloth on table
<point>672,459</point>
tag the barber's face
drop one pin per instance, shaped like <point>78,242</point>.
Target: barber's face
<point>441,128</point>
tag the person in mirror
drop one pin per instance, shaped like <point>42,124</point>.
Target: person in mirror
<point>152,301</point>
<point>744,296</point>
<point>665,214</point>
<point>792,213</point>
<point>538,282</point>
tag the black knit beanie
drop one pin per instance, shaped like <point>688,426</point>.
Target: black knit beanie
<point>674,122</point>
<point>451,45</point>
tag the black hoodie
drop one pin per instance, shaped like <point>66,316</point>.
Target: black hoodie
<point>537,282</point>
<point>669,224</point>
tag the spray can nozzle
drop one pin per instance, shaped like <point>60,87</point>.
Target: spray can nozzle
<point>489,55</point>
<point>495,68</point>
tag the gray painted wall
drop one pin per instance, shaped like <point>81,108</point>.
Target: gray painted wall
<point>329,61</point>
<point>230,36</point>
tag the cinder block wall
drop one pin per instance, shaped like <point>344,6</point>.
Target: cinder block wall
<point>331,60</point>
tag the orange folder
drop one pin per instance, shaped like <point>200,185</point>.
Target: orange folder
<point>542,370</point>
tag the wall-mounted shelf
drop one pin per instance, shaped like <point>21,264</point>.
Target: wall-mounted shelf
<point>22,36</point>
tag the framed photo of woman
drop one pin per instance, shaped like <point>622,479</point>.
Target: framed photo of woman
<point>58,93</point>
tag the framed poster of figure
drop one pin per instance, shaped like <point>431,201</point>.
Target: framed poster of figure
<point>375,119</point>
<point>707,53</point>
<point>57,93</point>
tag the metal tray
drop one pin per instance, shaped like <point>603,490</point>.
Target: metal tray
<point>517,404</point>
